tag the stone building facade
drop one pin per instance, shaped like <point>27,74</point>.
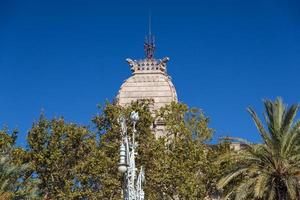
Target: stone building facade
<point>149,80</point>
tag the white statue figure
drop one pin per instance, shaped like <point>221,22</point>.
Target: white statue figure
<point>122,122</point>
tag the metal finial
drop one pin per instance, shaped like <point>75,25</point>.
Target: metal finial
<point>149,28</point>
<point>149,45</point>
<point>134,116</point>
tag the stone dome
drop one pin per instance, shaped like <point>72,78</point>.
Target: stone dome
<point>149,80</point>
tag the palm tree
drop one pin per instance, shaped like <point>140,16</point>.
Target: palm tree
<point>12,184</point>
<point>269,170</point>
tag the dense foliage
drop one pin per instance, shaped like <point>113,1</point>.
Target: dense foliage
<point>65,160</point>
<point>269,170</point>
<point>175,164</point>
<point>63,156</point>
<point>14,183</point>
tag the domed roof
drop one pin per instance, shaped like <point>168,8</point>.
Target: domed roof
<point>149,80</point>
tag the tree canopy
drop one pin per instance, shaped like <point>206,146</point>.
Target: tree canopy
<point>65,160</point>
<point>269,170</point>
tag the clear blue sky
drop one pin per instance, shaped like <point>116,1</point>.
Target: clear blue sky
<point>68,56</point>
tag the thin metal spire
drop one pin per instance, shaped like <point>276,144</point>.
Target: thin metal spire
<point>149,45</point>
<point>149,28</point>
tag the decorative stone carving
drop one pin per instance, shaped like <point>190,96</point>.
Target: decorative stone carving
<point>131,64</point>
<point>149,80</point>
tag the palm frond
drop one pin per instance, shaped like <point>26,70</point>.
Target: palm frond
<point>260,127</point>
<point>289,118</point>
<point>244,190</point>
<point>261,185</point>
<point>288,143</point>
<point>292,186</point>
<point>272,191</point>
<point>269,170</point>
<point>225,180</point>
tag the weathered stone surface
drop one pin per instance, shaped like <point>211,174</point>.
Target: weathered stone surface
<point>149,80</point>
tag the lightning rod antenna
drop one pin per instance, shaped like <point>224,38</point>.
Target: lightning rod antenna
<point>149,28</point>
<point>149,45</point>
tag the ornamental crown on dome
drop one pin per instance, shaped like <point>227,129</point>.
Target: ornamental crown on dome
<point>148,66</point>
<point>149,80</point>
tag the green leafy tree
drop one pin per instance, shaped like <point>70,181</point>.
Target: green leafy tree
<point>74,162</point>
<point>175,164</point>
<point>14,183</point>
<point>184,156</point>
<point>64,157</point>
<point>216,169</point>
<point>269,170</point>
<point>110,138</point>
